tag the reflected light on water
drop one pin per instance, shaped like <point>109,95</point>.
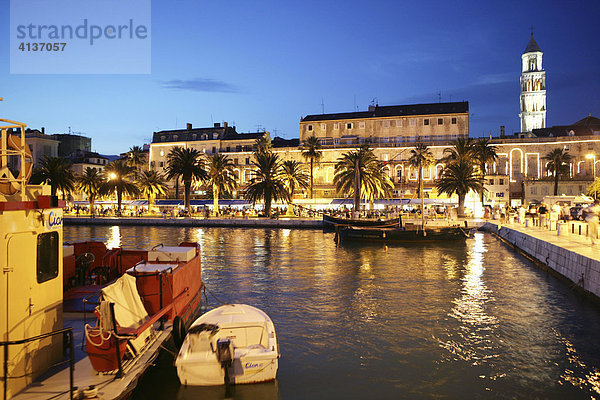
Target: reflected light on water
<point>199,235</point>
<point>577,372</point>
<point>114,238</point>
<point>476,329</point>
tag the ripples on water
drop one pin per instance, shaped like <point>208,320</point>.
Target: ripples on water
<point>452,320</point>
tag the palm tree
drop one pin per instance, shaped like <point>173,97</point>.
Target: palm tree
<point>57,171</point>
<point>484,153</point>
<point>311,150</point>
<point>420,157</point>
<point>463,149</point>
<point>221,177</point>
<point>267,183</point>
<point>360,172</point>
<point>90,183</point>
<point>136,158</point>
<point>294,177</point>
<point>459,177</point>
<point>120,179</point>
<point>152,184</point>
<point>558,164</point>
<point>263,144</point>
<point>184,163</point>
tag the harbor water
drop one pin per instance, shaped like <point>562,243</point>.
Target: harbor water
<point>469,319</point>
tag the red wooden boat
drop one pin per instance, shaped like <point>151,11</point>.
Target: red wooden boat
<point>161,292</point>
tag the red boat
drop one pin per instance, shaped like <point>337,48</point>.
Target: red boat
<point>164,287</point>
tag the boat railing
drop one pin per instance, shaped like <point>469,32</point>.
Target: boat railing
<point>125,333</point>
<point>67,334</point>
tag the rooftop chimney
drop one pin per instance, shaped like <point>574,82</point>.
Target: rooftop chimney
<point>189,126</point>
<point>225,125</point>
<point>502,131</point>
<point>43,130</point>
<point>217,125</point>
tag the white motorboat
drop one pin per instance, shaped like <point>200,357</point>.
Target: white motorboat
<point>234,343</point>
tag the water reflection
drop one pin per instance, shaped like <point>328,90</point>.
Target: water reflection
<point>472,341</point>
<point>469,320</point>
<point>577,372</point>
<point>114,238</point>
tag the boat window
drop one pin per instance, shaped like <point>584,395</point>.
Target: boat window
<point>47,256</point>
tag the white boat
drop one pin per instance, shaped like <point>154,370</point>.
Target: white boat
<point>234,343</point>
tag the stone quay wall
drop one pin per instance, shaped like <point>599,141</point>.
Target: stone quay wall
<point>582,271</point>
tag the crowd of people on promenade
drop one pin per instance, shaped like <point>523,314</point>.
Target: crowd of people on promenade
<point>548,217</point>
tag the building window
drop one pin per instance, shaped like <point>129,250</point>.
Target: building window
<point>501,181</point>
<point>336,126</point>
<point>440,121</point>
<point>426,121</point>
<point>412,122</point>
<point>399,123</point>
<point>392,123</point>
<point>323,127</point>
<point>162,153</point>
<point>47,256</point>
<point>336,141</point>
<point>214,149</point>
<point>500,194</point>
<point>491,181</point>
<point>533,190</point>
<point>454,121</point>
<point>386,124</point>
<point>361,125</point>
<point>310,127</point>
<point>247,160</point>
<point>349,125</point>
<point>175,137</point>
<point>161,164</point>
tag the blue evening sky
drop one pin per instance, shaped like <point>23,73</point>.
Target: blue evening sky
<point>264,64</point>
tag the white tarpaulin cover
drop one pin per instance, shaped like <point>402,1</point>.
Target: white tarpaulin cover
<point>129,309</point>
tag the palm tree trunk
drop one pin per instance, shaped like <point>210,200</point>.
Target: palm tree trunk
<point>461,205</point>
<point>357,185</point>
<point>91,204</point>
<point>176,188</point>
<point>311,178</point>
<point>556,182</point>
<point>422,197</point>
<point>215,200</point>
<point>187,187</point>
<point>268,206</point>
<point>119,197</point>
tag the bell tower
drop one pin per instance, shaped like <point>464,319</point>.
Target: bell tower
<point>533,88</point>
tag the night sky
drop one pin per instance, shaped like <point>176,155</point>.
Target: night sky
<point>264,65</point>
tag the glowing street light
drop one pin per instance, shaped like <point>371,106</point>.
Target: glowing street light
<point>112,176</point>
<point>593,157</point>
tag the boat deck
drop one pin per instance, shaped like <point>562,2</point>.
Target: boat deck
<point>54,384</point>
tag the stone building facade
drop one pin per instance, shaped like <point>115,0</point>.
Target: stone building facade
<point>389,125</point>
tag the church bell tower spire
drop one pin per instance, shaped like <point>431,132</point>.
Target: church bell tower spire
<point>533,88</point>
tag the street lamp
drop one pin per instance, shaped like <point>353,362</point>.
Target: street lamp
<point>593,157</point>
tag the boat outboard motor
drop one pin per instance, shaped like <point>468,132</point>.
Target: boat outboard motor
<point>225,356</point>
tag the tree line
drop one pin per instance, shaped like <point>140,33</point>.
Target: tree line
<point>357,173</point>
